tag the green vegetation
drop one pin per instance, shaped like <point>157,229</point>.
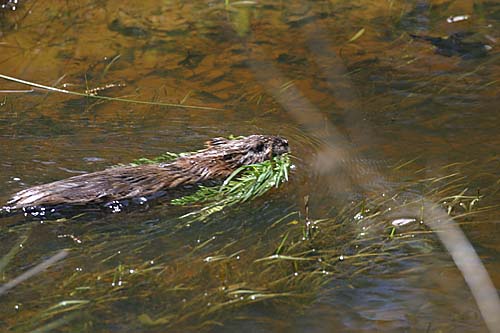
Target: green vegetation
<point>245,183</point>
<point>163,158</point>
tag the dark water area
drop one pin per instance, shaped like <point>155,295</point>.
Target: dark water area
<point>345,82</point>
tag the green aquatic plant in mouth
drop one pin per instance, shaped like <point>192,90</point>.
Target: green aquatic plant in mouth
<point>245,183</point>
<point>163,158</point>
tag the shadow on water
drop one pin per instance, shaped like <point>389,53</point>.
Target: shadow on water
<point>353,256</point>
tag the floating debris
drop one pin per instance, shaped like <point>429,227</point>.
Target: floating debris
<point>458,18</point>
<point>403,221</point>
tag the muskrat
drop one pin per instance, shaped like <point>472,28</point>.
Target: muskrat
<point>217,161</point>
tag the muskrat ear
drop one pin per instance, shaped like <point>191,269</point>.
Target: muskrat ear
<point>216,142</point>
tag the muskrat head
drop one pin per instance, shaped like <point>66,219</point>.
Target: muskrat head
<point>258,148</point>
<point>279,146</point>
<point>249,150</point>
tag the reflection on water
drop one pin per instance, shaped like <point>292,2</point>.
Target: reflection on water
<point>309,71</point>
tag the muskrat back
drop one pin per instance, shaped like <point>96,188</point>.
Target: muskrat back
<point>217,161</point>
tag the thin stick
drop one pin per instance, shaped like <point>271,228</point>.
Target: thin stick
<point>117,99</point>
<point>33,271</point>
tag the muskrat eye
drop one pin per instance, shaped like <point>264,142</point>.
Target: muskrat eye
<point>259,146</point>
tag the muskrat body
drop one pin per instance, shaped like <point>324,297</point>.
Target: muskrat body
<point>217,161</point>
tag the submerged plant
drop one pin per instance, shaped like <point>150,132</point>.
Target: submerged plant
<point>219,273</point>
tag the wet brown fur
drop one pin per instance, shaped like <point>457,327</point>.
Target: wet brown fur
<point>217,161</point>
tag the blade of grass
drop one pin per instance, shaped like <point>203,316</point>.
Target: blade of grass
<point>115,99</point>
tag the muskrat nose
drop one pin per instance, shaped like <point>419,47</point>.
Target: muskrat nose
<point>286,145</point>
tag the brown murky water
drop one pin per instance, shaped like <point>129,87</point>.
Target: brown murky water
<point>307,70</point>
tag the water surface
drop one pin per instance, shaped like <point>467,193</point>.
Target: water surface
<point>387,97</point>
